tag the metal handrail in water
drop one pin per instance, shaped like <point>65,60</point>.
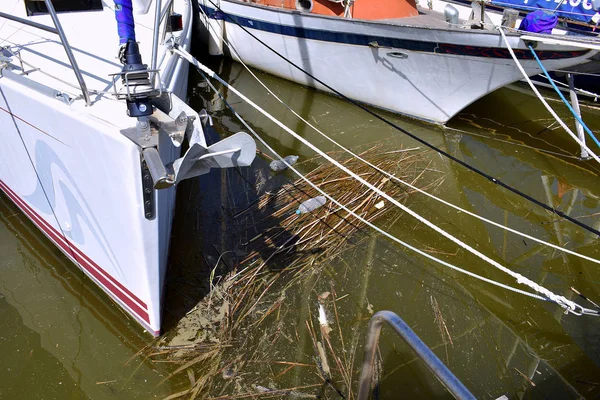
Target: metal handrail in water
<point>436,366</point>
<point>57,30</point>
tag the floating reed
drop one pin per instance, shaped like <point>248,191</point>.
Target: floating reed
<point>291,246</point>
<point>325,230</point>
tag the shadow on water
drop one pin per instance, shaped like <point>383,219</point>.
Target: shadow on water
<point>217,223</point>
<point>32,370</point>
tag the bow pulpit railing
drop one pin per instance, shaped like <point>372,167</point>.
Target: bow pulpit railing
<point>57,30</point>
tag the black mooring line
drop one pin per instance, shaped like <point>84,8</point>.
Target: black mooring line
<point>413,136</point>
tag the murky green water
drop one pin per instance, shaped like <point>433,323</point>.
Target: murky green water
<point>60,337</point>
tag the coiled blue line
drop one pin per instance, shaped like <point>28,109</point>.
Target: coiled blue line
<point>125,23</point>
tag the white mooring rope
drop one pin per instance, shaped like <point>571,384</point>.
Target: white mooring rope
<point>395,178</point>
<point>541,98</point>
<point>568,305</point>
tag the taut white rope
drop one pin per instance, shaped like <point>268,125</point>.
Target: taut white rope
<point>395,178</point>
<point>569,305</point>
<point>537,93</point>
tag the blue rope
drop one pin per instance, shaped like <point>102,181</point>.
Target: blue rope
<point>577,117</point>
<point>125,23</point>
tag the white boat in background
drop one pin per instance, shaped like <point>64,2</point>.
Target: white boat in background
<point>90,145</point>
<point>390,54</point>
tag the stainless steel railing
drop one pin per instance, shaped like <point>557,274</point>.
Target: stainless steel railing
<point>154,60</point>
<point>57,30</point>
<point>436,366</point>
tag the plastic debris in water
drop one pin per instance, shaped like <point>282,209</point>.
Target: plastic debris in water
<point>311,204</point>
<point>278,165</point>
<point>322,316</point>
<point>323,319</point>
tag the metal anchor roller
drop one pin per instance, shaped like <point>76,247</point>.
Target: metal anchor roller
<point>179,123</point>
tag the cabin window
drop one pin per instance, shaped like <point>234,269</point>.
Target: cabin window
<point>37,7</point>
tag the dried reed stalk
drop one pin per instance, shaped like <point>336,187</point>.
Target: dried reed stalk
<point>293,246</point>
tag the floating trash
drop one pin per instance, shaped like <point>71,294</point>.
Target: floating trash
<point>278,165</point>
<point>227,329</point>
<point>311,204</point>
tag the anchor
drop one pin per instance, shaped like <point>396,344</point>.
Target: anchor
<point>160,114</point>
<point>168,116</point>
<point>179,123</point>
<point>238,150</point>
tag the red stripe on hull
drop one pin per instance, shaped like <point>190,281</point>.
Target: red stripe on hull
<point>106,275</point>
<point>72,248</point>
<point>113,280</point>
<point>81,259</point>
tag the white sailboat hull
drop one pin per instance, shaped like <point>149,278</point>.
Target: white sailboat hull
<point>69,168</point>
<point>428,72</point>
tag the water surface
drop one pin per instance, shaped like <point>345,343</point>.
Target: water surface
<point>61,337</point>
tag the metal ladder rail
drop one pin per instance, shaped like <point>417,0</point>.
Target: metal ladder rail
<point>436,366</point>
<point>57,30</point>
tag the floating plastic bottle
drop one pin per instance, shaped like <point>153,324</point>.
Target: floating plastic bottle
<point>279,165</point>
<point>311,204</point>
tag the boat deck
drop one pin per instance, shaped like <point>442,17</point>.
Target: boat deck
<point>436,20</point>
<point>427,18</point>
<point>39,56</point>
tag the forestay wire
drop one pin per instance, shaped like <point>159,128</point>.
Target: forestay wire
<point>569,305</point>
